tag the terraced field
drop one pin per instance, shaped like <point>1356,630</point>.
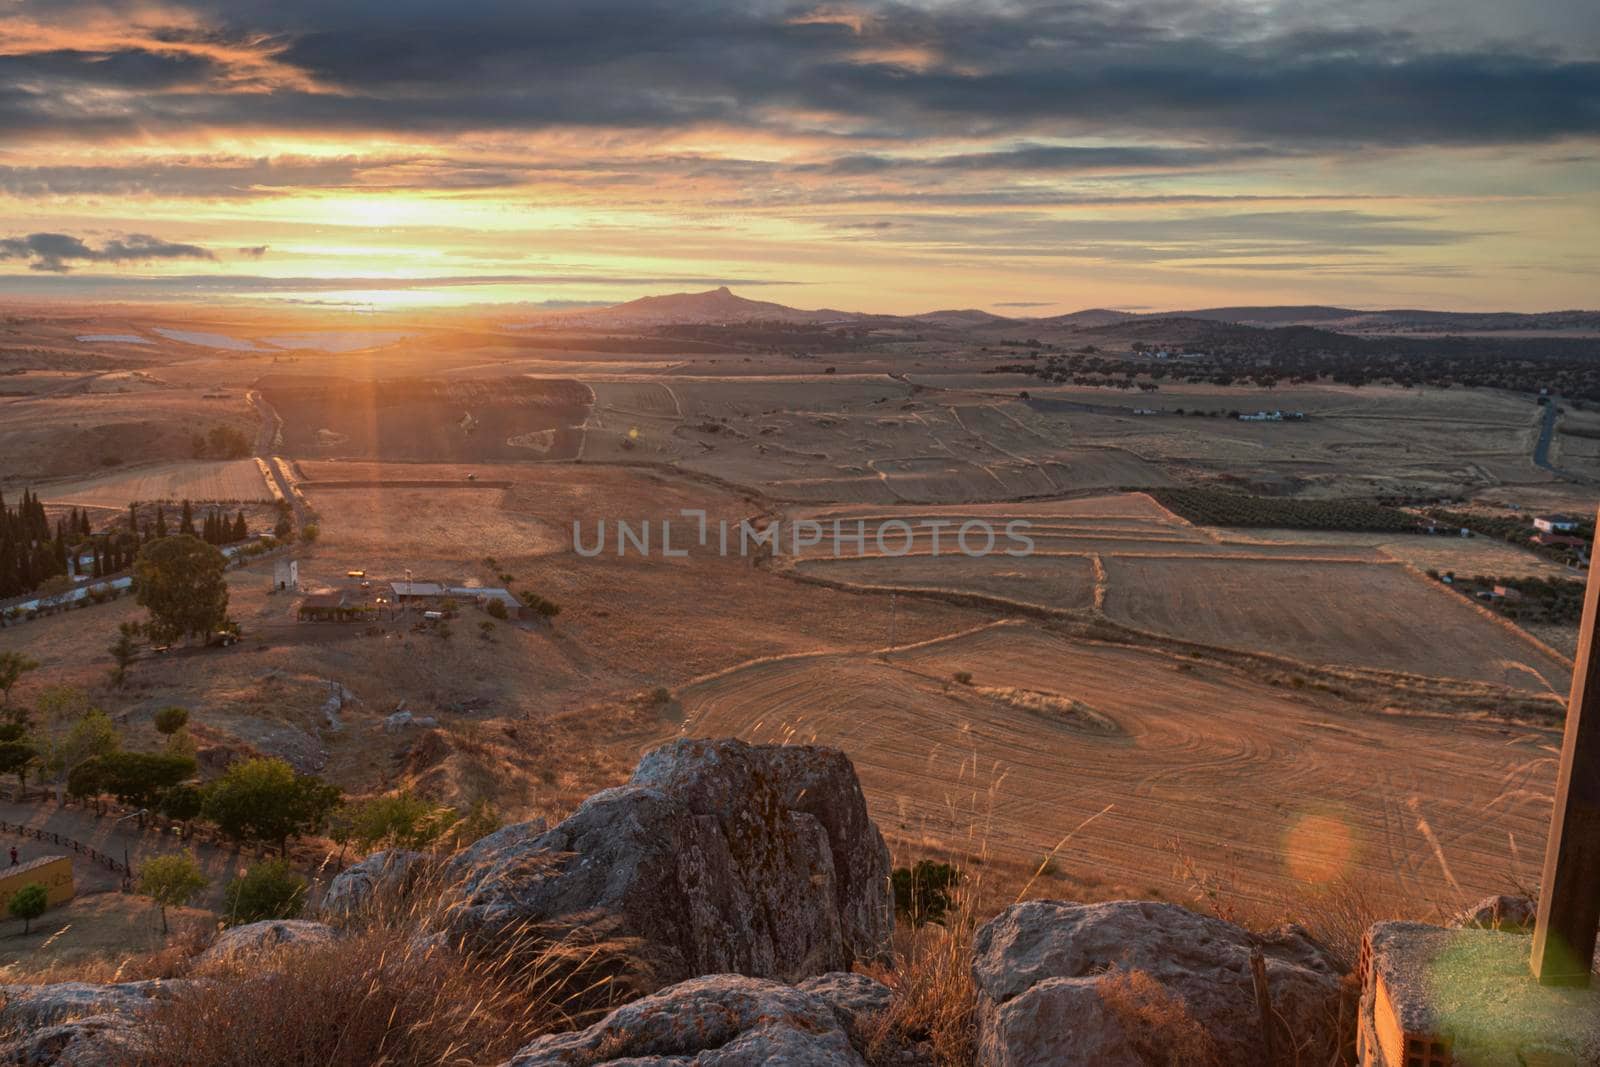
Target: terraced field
<point>1272,791</point>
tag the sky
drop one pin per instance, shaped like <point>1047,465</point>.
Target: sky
<point>1021,157</point>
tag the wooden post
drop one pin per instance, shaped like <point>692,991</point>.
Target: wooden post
<point>1569,895</point>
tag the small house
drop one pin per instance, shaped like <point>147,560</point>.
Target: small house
<point>1555,523</point>
<point>52,872</point>
<point>331,606</point>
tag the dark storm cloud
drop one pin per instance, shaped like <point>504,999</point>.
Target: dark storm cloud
<point>138,70</point>
<point>1070,68</point>
<point>57,252</point>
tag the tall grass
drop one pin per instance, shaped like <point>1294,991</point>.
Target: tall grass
<point>393,991</point>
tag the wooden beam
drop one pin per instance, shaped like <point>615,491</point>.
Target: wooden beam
<point>1569,895</point>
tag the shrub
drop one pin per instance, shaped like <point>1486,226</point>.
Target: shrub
<point>924,892</point>
<point>309,532</point>
<point>28,903</point>
<point>497,610</point>
<point>171,880</point>
<point>170,720</point>
<point>269,890</point>
<point>963,677</point>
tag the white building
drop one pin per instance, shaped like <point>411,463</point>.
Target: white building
<point>1555,523</point>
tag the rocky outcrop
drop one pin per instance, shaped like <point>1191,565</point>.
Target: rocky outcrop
<point>724,1020</point>
<point>241,942</point>
<point>75,1024</point>
<point>386,874</point>
<point>1055,986</point>
<point>1508,914</point>
<point>716,857</point>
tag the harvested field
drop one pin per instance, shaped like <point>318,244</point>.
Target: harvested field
<point>1059,584</point>
<point>1272,793</point>
<point>429,525</point>
<point>416,419</point>
<point>225,480</point>
<point>1381,616</point>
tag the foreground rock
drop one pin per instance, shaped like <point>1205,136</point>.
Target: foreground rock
<point>1054,987</point>
<point>716,857</point>
<point>241,942</point>
<point>724,1020</point>
<point>75,1024</point>
<point>382,875</point>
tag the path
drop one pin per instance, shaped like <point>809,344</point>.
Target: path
<point>108,836</point>
<point>1541,448</point>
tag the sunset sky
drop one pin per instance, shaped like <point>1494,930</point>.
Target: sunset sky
<point>1019,157</point>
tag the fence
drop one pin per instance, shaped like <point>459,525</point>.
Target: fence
<point>111,864</point>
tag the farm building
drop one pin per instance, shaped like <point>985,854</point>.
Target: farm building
<point>1557,540</point>
<point>286,575</point>
<point>410,590</point>
<point>1551,524</point>
<point>329,606</point>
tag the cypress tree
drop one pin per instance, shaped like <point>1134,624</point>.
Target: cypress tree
<point>186,520</point>
<point>161,522</point>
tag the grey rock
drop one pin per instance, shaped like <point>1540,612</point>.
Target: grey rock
<point>41,1005</point>
<point>716,857</point>
<point>96,1041</point>
<point>75,1024</point>
<point>240,942</point>
<point>722,1020</point>
<point>1041,970</point>
<point>858,1002</point>
<point>1508,914</point>
<point>390,872</point>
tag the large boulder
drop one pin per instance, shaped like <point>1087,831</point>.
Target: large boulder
<point>386,874</point>
<point>722,1020</point>
<point>76,1024</point>
<point>1064,984</point>
<point>241,942</point>
<point>716,857</point>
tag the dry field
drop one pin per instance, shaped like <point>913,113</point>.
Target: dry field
<point>230,480</point>
<point>76,434</point>
<point>1273,791</point>
<point>1328,600</point>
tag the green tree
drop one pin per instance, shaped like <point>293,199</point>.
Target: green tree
<point>93,735</point>
<point>123,652</point>
<point>171,881</point>
<point>182,803</point>
<point>180,580</point>
<point>264,800</point>
<point>13,665</point>
<point>169,720</point>
<point>28,903</point>
<point>400,820</point>
<point>87,779</point>
<point>140,778</point>
<point>269,890</point>
<point>18,753</point>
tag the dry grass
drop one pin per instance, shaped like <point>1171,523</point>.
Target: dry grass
<point>1157,1023</point>
<point>393,991</point>
<point>934,999</point>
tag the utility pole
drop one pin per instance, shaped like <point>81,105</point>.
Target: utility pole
<point>1569,894</point>
<point>894,618</point>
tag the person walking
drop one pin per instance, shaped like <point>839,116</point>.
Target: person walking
<point>14,862</point>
